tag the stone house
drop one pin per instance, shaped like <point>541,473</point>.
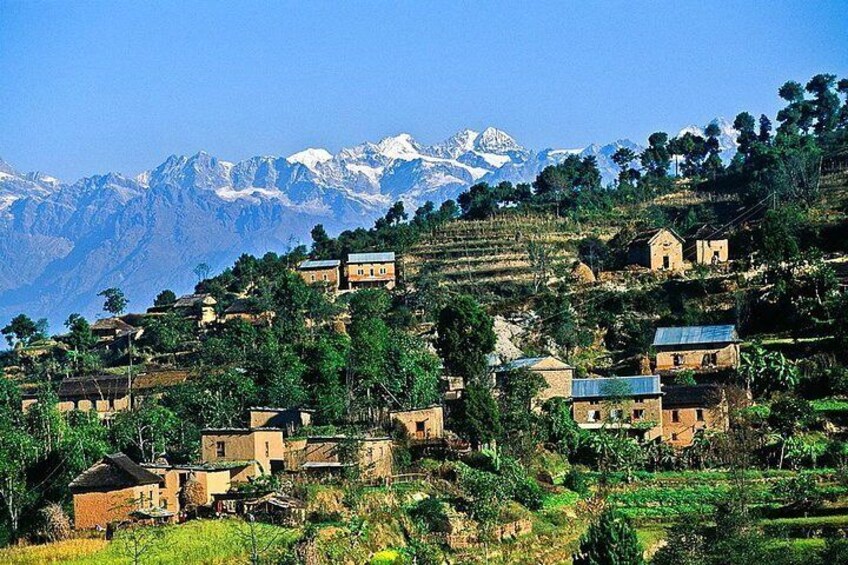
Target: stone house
<point>370,270</point>
<point>264,449</point>
<point>321,271</point>
<point>706,246</point>
<point>113,490</point>
<point>688,409</point>
<point>211,480</point>
<point>422,424</point>
<point>246,309</point>
<point>107,394</point>
<point>557,374</point>
<point>327,455</point>
<point>631,403</point>
<point>110,329</point>
<point>659,249</point>
<point>197,307</point>
<point>699,348</point>
<point>289,420</point>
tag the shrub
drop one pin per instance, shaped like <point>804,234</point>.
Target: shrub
<point>575,481</point>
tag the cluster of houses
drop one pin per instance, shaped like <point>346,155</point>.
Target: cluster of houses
<point>662,249</point>
<point>274,440</point>
<point>361,270</point>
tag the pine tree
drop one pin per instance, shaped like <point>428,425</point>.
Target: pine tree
<point>609,541</point>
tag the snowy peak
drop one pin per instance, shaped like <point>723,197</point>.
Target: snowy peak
<point>399,147</point>
<point>726,138</point>
<point>495,141</point>
<point>310,157</point>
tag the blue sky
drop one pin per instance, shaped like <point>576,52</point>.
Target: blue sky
<point>88,87</point>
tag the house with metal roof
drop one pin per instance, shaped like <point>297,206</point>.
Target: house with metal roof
<point>325,272</point>
<point>698,348</point>
<point>370,270</point>
<point>633,403</point>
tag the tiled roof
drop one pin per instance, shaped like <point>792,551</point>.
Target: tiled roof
<point>113,472</point>
<point>385,257</point>
<point>191,300</point>
<point>691,335</point>
<point>319,264</point>
<point>616,386</point>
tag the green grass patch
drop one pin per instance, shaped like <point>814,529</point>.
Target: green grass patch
<point>196,542</point>
<point>560,500</point>
<point>830,405</point>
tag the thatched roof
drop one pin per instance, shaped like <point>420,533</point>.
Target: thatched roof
<point>113,472</point>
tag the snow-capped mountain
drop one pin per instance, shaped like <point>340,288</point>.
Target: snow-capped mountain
<point>62,243</point>
<point>726,139</point>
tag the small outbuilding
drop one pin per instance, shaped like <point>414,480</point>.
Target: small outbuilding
<point>321,271</point>
<point>691,408</point>
<point>422,424</point>
<point>706,245</point>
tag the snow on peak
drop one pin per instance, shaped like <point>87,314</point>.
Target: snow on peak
<point>310,157</point>
<point>401,146</point>
<point>495,141</point>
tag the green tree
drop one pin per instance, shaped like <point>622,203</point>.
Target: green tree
<point>656,158</point>
<point>114,301</point>
<point>478,418</point>
<point>145,430</point>
<point>465,338</point>
<point>80,336</point>
<point>611,540</point>
<point>22,330</point>
<point>165,298</point>
<point>520,420</point>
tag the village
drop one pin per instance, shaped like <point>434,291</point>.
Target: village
<point>518,375</point>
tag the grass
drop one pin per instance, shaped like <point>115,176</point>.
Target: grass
<point>830,405</point>
<point>208,542</point>
<point>559,500</point>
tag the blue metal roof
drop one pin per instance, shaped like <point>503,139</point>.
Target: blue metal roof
<point>690,335</point>
<point>384,257</point>
<point>616,386</point>
<point>320,264</point>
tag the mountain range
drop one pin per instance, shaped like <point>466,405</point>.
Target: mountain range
<point>62,243</point>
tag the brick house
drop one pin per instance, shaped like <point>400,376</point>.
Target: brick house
<point>706,246</point>
<point>264,449</point>
<point>699,348</point>
<point>423,424</point>
<point>370,270</point>
<point>557,374</point>
<point>659,249</point>
<point>212,480</point>
<point>325,272</point>
<point>113,490</point>
<point>688,409</point>
<point>631,403</point>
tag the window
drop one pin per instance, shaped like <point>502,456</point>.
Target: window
<point>615,415</point>
<point>165,503</point>
<point>638,414</point>
<point>593,416</point>
<point>312,277</point>
<point>372,272</point>
<point>325,276</point>
<point>709,359</point>
<point>677,359</point>
<point>594,402</point>
<point>267,449</point>
<point>699,415</point>
<point>666,262</point>
<point>382,270</point>
<point>673,437</point>
<point>716,257</point>
<point>220,449</point>
<point>675,416</point>
<point>360,272</point>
